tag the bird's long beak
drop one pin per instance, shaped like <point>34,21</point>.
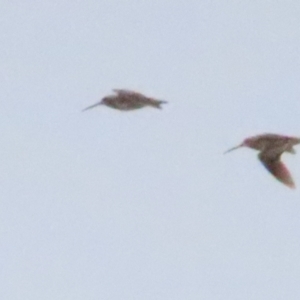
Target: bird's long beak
<point>92,106</point>
<point>234,148</point>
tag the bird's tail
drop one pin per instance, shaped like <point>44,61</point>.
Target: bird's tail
<point>158,103</point>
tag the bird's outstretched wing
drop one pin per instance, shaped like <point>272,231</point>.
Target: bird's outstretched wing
<point>276,167</point>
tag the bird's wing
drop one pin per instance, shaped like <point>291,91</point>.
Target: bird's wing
<point>275,166</point>
<point>127,92</point>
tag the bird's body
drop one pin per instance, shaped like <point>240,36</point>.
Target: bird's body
<point>271,147</point>
<point>127,100</point>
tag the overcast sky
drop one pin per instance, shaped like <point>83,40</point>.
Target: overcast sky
<point>138,205</point>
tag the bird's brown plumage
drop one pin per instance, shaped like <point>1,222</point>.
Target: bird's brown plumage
<point>127,100</point>
<point>277,168</point>
<point>271,147</point>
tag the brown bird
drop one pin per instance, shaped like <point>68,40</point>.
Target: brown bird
<point>127,100</point>
<point>270,147</point>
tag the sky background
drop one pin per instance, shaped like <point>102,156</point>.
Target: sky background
<point>144,205</point>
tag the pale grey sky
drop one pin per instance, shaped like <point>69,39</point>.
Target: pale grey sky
<point>144,205</point>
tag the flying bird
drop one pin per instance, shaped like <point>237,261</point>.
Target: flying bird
<point>127,100</point>
<point>270,147</point>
